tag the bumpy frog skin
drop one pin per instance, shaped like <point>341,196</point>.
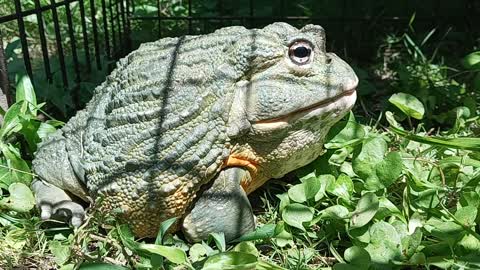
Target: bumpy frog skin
<point>187,127</point>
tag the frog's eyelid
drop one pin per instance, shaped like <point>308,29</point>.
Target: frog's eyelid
<point>301,39</point>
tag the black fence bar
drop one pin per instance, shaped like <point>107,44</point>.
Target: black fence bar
<point>73,42</point>
<point>105,30</point>
<point>112,25</point>
<point>23,39</point>
<point>58,39</point>
<point>4,84</point>
<point>120,34</point>
<point>25,13</point>
<point>190,29</point>
<point>95,34</point>
<point>86,48</point>
<point>76,68</point>
<point>128,26</point>
<point>43,42</point>
<point>124,25</point>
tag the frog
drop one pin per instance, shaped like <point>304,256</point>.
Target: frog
<point>188,127</point>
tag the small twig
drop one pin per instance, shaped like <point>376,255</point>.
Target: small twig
<point>20,171</point>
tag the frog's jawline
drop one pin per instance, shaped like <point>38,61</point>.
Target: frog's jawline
<point>312,107</point>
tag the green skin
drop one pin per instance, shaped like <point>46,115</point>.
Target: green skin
<point>157,139</point>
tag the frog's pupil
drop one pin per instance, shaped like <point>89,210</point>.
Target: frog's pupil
<point>301,52</point>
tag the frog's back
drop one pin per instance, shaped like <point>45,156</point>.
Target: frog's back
<point>154,132</point>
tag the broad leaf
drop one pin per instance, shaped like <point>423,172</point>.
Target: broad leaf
<point>232,260</point>
<point>295,214</point>
<point>408,104</point>
<point>385,244</point>
<point>21,198</point>
<point>173,254</point>
<point>472,61</point>
<point>366,209</point>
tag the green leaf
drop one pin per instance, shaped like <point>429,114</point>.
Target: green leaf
<point>385,244</point>
<point>231,260</point>
<point>297,193</point>
<point>219,239</point>
<point>262,265</point>
<point>295,214</point>
<point>308,189</point>
<point>467,143</point>
<point>127,238</point>
<point>357,256</point>
<point>389,169</point>
<point>6,177</point>
<point>61,252</point>
<point>365,159</point>
<point>470,198</point>
<point>344,133</point>
<point>197,252</point>
<point>467,215</point>
<point>21,198</point>
<point>366,209</point>
<point>408,104</point>
<point>325,180</point>
<point>342,187</point>
<point>246,247</point>
<point>412,242</point>
<point>11,121</point>
<point>69,266</point>
<point>444,230</point>
<point>470,244</point>
<point>472,61</point>
<point>24,91</point>
<point>45,129</point>
<point>29,132</point>
<point>282,236</point>
<point>334,212</point>
<point>100,266</point>
<point>312,187</point>
<point>264,232</point>
<point>18,167</point>
<point>164,226</point>
<point>173,254</point>
<point>284,201</point>
<point>344,266</point>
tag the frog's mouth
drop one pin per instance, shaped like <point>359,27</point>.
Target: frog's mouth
<point>337,104</point>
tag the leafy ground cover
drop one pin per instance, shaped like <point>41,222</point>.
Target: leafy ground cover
<point>397,187</point>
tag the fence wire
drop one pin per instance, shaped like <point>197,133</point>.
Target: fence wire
<point>109,28</point>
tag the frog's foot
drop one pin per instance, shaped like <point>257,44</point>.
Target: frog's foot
<point>54,202</point>
<point>222,207</point>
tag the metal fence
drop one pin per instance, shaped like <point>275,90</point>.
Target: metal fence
<point>110,28</point>
<point>94,45</point>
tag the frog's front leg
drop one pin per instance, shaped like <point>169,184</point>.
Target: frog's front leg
<point>59,180</point>
<point>54,202</point>
<point>222,206</point>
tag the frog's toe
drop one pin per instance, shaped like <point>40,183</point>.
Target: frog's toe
<point>70,210</point>
<point>55,203</point>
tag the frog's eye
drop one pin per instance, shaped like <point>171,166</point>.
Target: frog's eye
<point>300,52</point>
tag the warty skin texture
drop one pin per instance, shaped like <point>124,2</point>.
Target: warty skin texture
<point>177,111</point>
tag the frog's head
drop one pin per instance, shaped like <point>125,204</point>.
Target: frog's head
<point>292,81</point>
